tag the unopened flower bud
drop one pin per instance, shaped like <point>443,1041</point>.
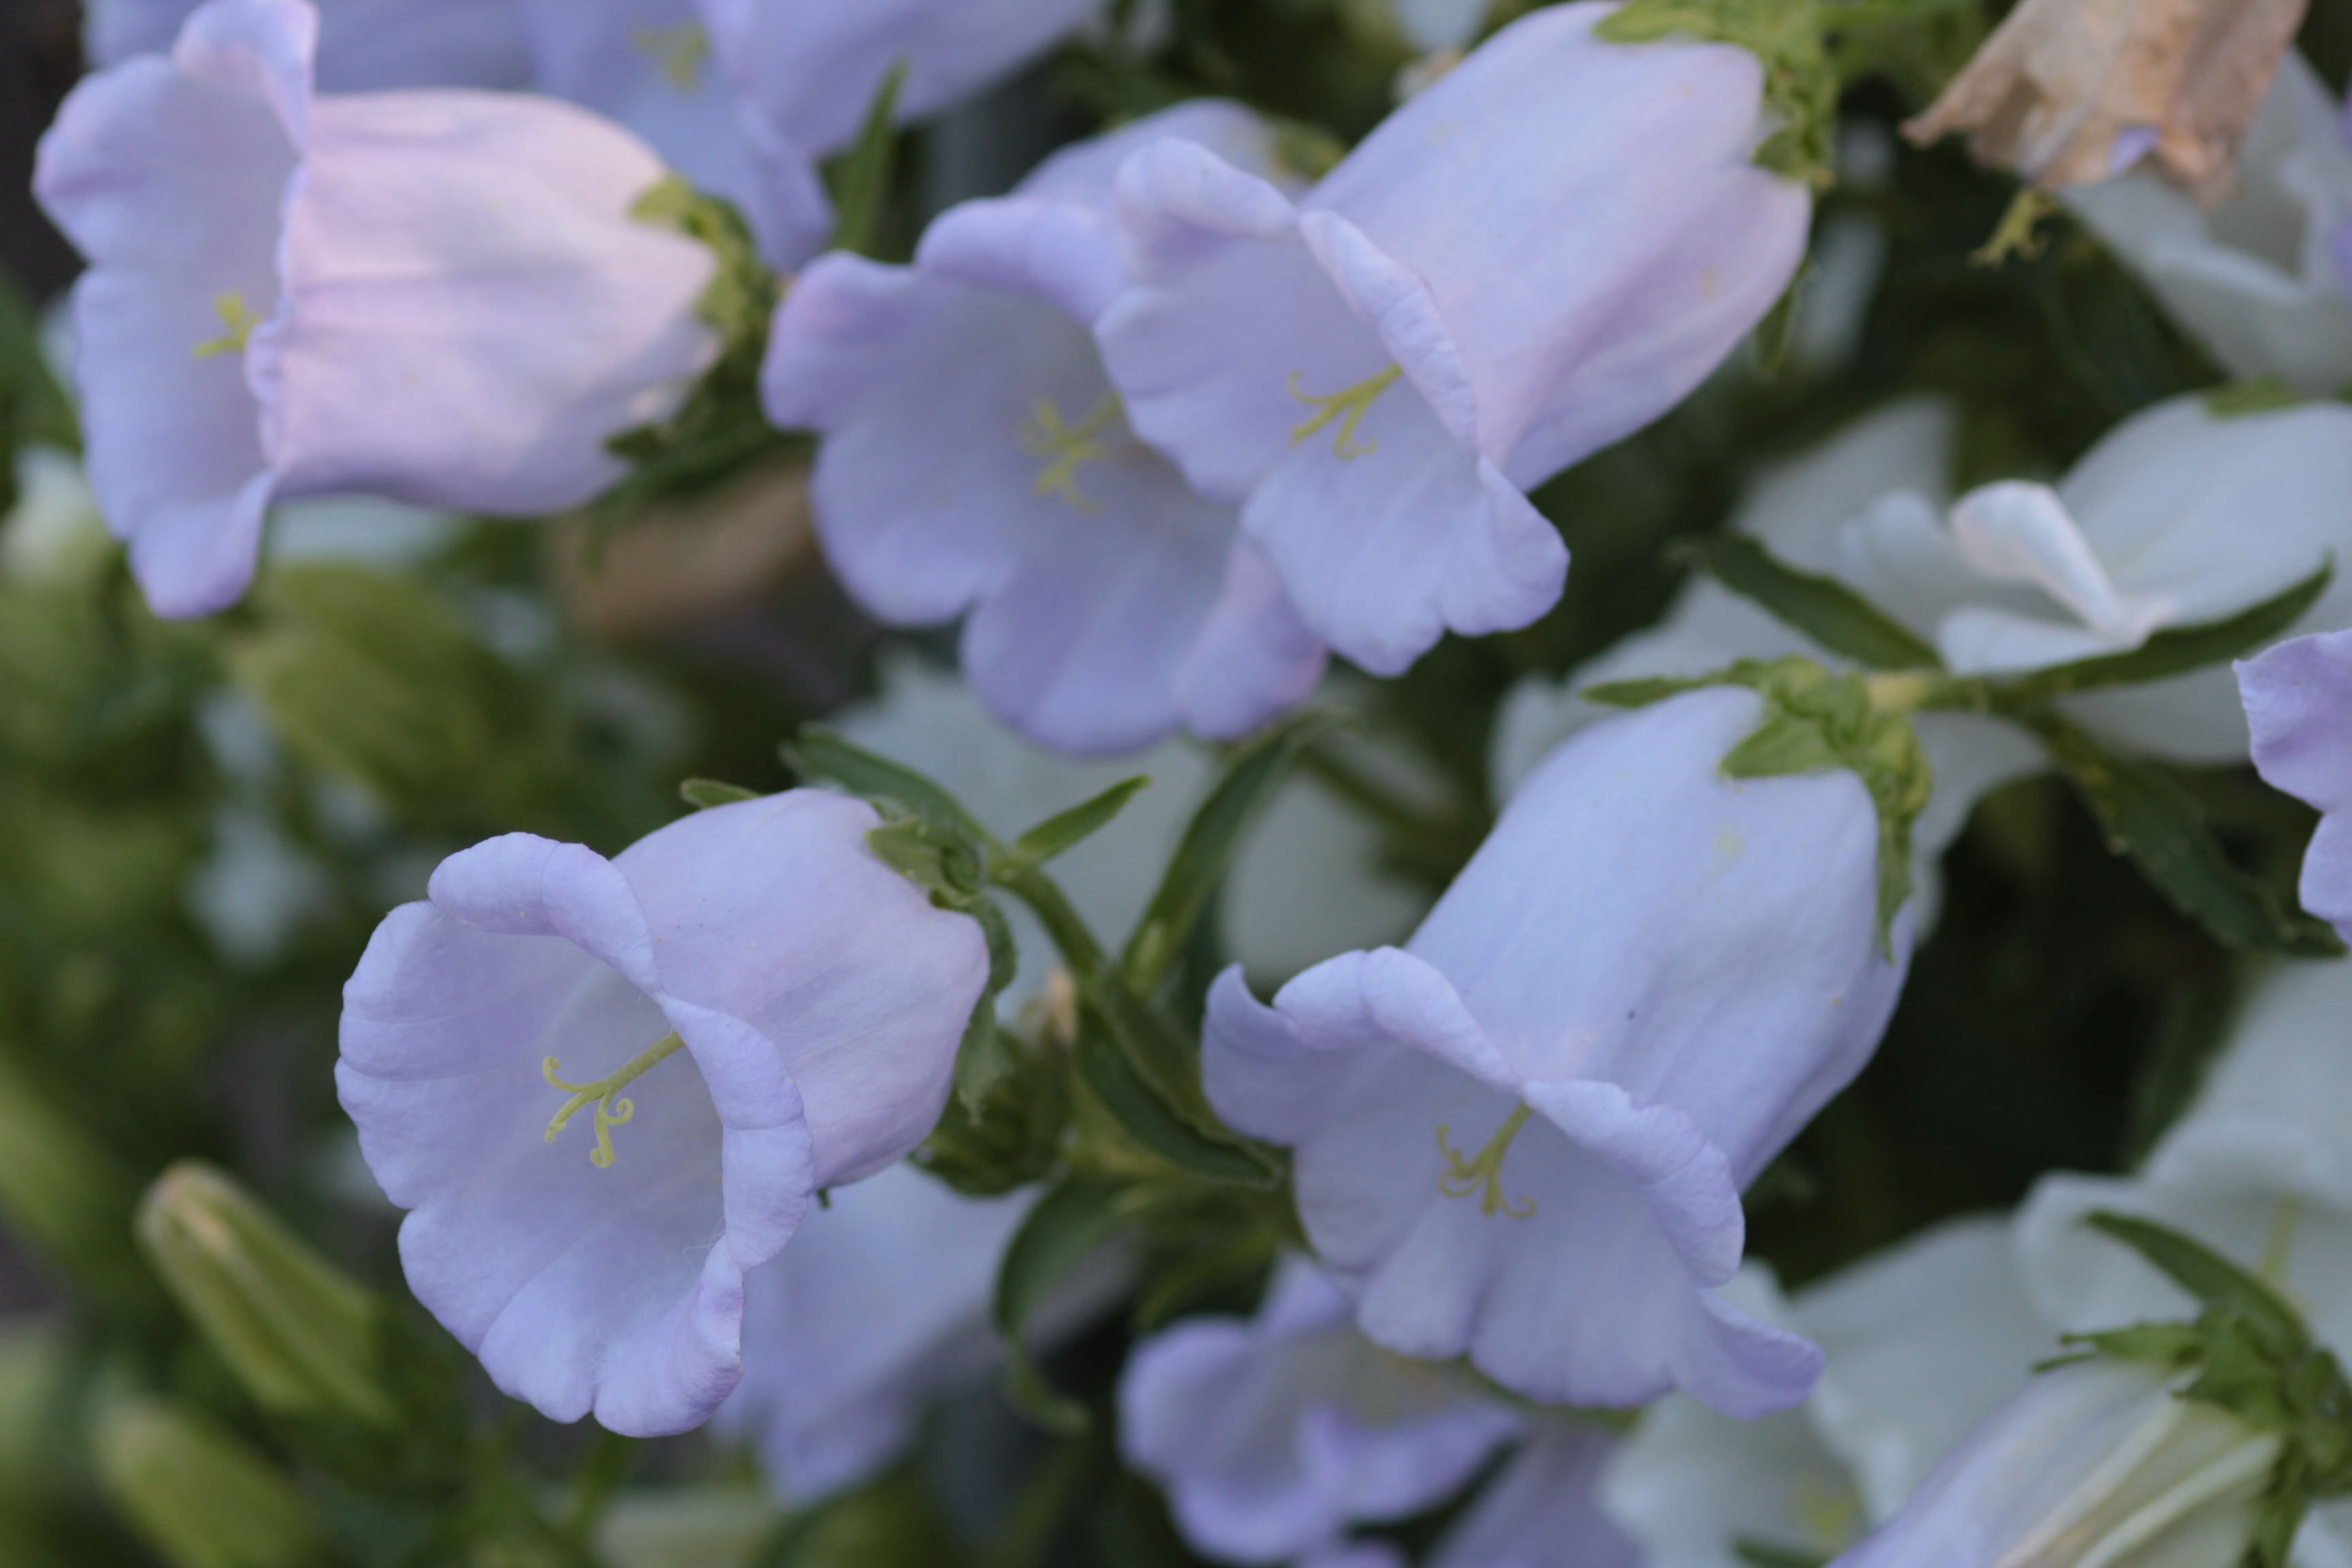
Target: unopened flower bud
<point>302,1338</point>
<point>198,1495</point>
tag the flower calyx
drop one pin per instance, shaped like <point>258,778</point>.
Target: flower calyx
<point>2248,1353</point>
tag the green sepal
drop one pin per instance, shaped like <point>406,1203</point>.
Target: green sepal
<point>704,793</point>
<point>2151,817</point>
<point>1816,721</point>
<point>1211,840</point>
<point>819,756</point>
<point>721,427</point>
<point>861,178</point>
<point>2178,650</point>
<point>1800,86</point>
<point>1065,831</point>
<point>1075,1219</point>
<point>1012,1110</point>
<point>1822,608</point>
<point>2248,1353</point>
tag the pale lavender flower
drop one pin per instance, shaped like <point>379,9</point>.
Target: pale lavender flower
<point>807,71</point>
<point>2298,700</point>
<point>438,296</point>
<point>1274,1436</point>
<point>880,1302</point>
<point>648,64</point>
<point>1536,256</point>
<point>1543,1510</point>
<point>1524,1136</point>
<point>976,460</point>
<point>608,1090</point>
<point>365,46</point>
<point>2092,1463</point>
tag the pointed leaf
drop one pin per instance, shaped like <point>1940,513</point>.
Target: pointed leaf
<point>1069,1225</point>
<point>1066,830</point>
<point>2181,649</point>
<point>1822,608</point>
<point>2149,816</point>
<point>2205,1273</point>
<point>818,753</point>
<point>1211,840</point>
<point>704,793</point>
<point>861,180</point>
<point>1148,1118</point>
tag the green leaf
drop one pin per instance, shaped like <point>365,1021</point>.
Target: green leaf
<point>1058,834</point>
<point>1147,1117</point>
<point>861,180</point>
<point>2205,1273</point>
<point>985,1059</point>
<point>819,754</point>
<point>704,793</point>
<point>1068,1225</point>
<point>1759,1553</point>
<point>2179,650</point>
<point>2259,395</point>
<point>1822,608</point>
<point>2149,816</point>
<point>1213,838</point>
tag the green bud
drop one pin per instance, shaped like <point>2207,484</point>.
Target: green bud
<point>304,1340</point>
<point>200,1496</point>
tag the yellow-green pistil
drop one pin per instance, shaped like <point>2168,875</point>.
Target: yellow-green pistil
<point>1482,1173</point>
<point>1071,447</point>
<point>1348,407</point>
<point>239,319</point>
<point>611,1113</point>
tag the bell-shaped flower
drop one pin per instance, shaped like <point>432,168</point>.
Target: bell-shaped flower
<point>805,72</point>
<point>648,65</point>
<point>438,296</point>
<point>2264,279</point>
<point>880,1303</point>
<point>1538,255</point>
<point>2094,1463</point>
<point>2069,92</point>
<point>1273,1436</point>
<point>1525,1134</point>
<point>606,1089</point>
<point>1922,1342</point>
<point>1543,1511</point>
<point>977,460</point>
<point>2298,700</point>
<point>365,46</point>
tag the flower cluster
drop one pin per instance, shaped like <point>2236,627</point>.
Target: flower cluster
<point>1507,950</point>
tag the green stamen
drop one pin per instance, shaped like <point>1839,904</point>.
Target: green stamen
<point>611,1113</point>
<point>239,317</point>
<point>1483,1173</point>
<point>1348,407</point>
<point>679,53</point>
<point>1071,447</point>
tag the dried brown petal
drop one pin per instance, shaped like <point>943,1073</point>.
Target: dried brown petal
<point>2070,91</point>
